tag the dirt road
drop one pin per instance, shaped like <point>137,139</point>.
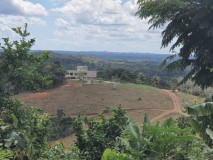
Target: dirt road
<point>177,107</point>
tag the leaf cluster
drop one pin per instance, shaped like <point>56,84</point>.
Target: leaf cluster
<point>24,131</point>
<point>188,25</point>
<point>17,65</point>
<point>165,141</point>
<point>94,136</point>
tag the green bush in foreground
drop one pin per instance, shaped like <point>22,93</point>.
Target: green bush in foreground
<point>162,142</point>
<point>94,136</point>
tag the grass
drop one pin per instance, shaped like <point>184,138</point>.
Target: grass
<point>189,99</point>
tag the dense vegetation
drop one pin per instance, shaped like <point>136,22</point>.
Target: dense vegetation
<point>148,68</point>
<point>99,135</point>
<point>123,75</point>
<point>24,131</point>
<point>60,126</point>
<point>118,56</point>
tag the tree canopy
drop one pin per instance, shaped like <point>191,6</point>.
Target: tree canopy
<point>189,27</point>
<point>18,67</point>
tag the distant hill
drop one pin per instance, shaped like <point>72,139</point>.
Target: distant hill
<point>117,56</point>
<point>126,56</point>
<point>99,61</point>
<point>147,63</point>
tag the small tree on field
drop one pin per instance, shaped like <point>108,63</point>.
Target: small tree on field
<point>173,83</point>
<point>140,78</point>
<point>155,80</point>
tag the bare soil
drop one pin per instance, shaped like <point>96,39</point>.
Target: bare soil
<point>177,104</point>
<point>90,99</point>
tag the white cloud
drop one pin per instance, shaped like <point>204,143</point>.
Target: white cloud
<point>104,23</point>
<point>22,7</point>
<point>81,24</point>
<point>7,22</point>
<point>99,12</point>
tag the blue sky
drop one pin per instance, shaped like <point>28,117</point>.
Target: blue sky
<point>81,25</point>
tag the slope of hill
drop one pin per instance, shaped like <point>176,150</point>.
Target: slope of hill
<point>90,99</point>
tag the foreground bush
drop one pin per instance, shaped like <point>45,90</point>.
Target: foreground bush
<point>94,136</point>
<point>162,142</point>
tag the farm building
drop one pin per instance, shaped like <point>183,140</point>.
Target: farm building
<point>82,72</point>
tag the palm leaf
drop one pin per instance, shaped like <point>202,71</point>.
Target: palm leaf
<point>5,154</point>
<point>132,130</point>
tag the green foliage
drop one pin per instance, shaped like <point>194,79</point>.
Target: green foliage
<point>110,154</point>
<point>149,67</point>
<point>94,136</point>
<point>124,75</point>
<point>202,124</point>
<point>54,74</point>
<point>210,133</point>
<point>155,80</point>
<point>24,131</point>
<point>183,122</point>
<point>120,74</point>
<point>161,142</point>
<point>189,24</point>
<point>17,65</point>
<point>5,154</point>
<point>140,78</point>
<point>205,109</point>
<point>173,83</point>
<point>60,126</point>
<point>58,152</point>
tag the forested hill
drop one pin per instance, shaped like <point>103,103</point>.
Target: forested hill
<point>146,63</point>
<point>129,56</point>
<point>136,63</point>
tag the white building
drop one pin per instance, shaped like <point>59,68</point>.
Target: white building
<point>81,73</point>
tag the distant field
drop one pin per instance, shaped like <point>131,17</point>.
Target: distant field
<point>89,99</point>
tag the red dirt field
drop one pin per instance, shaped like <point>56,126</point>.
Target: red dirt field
<point>90,99</point>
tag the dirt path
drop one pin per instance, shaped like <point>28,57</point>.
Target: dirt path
<point>177,107</point>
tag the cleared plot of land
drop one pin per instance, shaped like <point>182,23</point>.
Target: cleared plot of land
<point>90,99</point>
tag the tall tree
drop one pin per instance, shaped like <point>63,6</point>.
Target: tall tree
<point>189,25</point>
<point>18,67</point>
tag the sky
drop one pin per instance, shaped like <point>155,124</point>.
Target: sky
<point>81,25</point>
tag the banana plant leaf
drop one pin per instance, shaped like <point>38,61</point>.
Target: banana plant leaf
<point>205,109</point>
